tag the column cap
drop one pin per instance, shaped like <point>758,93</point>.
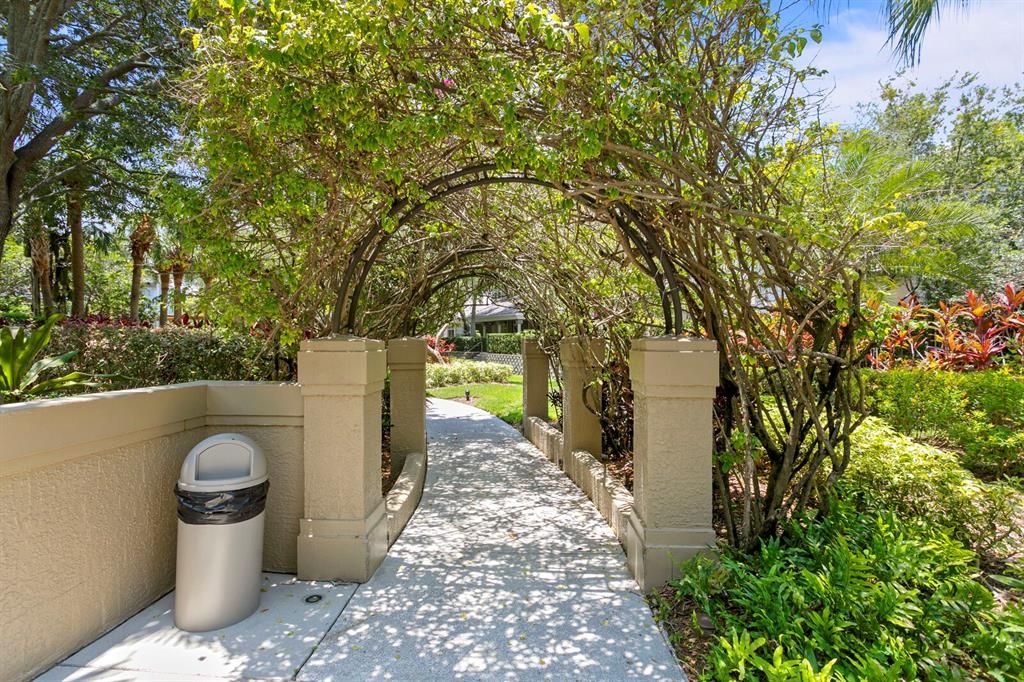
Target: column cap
<point>531,346</point>
<point>341,361</point>
<point>342,343</point>
<point>573,350</point>
<point>675,344</point>
<point>407,350</point>
<point>676,363</point>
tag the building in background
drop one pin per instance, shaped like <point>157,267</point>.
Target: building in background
<point>490,314</point>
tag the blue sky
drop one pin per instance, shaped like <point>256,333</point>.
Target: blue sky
<point>987,39</point>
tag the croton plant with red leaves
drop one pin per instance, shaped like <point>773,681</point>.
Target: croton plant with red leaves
<point>442,346</point>
<point>973,333</point>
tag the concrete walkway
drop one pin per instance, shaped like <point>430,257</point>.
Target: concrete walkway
<point>506,571</point>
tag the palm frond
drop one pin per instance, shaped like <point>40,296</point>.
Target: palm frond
<point>909,20</point>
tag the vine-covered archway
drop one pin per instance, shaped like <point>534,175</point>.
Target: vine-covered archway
<point>341,142</point>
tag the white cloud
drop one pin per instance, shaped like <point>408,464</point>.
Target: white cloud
<point>987,39</point>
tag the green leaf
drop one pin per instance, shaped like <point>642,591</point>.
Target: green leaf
<point>583,31</point>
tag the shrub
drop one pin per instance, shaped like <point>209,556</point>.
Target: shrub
<point>511,344</point>
<point>466,372</point>
<point>440,345</point>
<point>25,373</point>
<point>889,471</point>
<point>979,413</point>
<point>140,356</point>
<point>14,310</point>
<point>851,596</point>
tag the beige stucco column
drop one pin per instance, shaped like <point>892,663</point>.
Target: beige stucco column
<point>407,360</point>
<point>581,361</point>
<point>343,535</point>
<point>674,382</point>
<point>535,380</point>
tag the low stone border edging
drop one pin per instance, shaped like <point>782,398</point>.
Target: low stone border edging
<point>606,492</point>
<point>404,496</point>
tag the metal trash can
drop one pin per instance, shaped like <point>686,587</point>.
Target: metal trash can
<point>222,494</point>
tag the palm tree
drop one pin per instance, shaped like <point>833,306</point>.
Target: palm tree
<point>179,262</point>
<point>141,240</point>
<point>39,248</point>
<point>164,270</point>
<point>74,219</point>
<point>162,265</point>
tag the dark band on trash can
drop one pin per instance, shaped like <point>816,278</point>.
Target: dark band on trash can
<point>221,507</point>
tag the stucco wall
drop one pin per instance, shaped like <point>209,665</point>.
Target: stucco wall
<point>87,511</point>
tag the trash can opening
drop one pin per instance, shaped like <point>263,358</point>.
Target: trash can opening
<point>230,459</point>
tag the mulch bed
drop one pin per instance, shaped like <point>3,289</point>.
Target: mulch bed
<point>691,632</point>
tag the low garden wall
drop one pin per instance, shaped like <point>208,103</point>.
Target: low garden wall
<point>404,496</point>
<point>89,515</point>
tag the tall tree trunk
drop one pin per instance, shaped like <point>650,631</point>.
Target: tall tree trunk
<point>13,174</point>
<point>136,295</point>
<point>165,284</point>
<point>77,248</point>
<point>179,299</point>
<point>141,241</point>
<point>41,264</point>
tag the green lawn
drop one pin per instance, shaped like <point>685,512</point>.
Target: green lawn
<point>505,401</point>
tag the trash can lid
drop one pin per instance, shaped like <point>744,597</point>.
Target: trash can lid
<point>225,461</point>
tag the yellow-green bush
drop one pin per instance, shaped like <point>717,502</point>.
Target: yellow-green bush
<point>890,471</point>
<point>466,372</point>
<point>980,414</point>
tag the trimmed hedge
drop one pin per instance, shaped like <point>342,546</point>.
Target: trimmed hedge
<point>466,372</point>
<point>468,343</point>
<point>506,343</point>
<point>511,344</point>
<point>140,356</point>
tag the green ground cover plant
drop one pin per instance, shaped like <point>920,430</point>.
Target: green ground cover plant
<point>457,372</point>
<point>851,595</point>
<point>503,400</point>
<point>980,414</point>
